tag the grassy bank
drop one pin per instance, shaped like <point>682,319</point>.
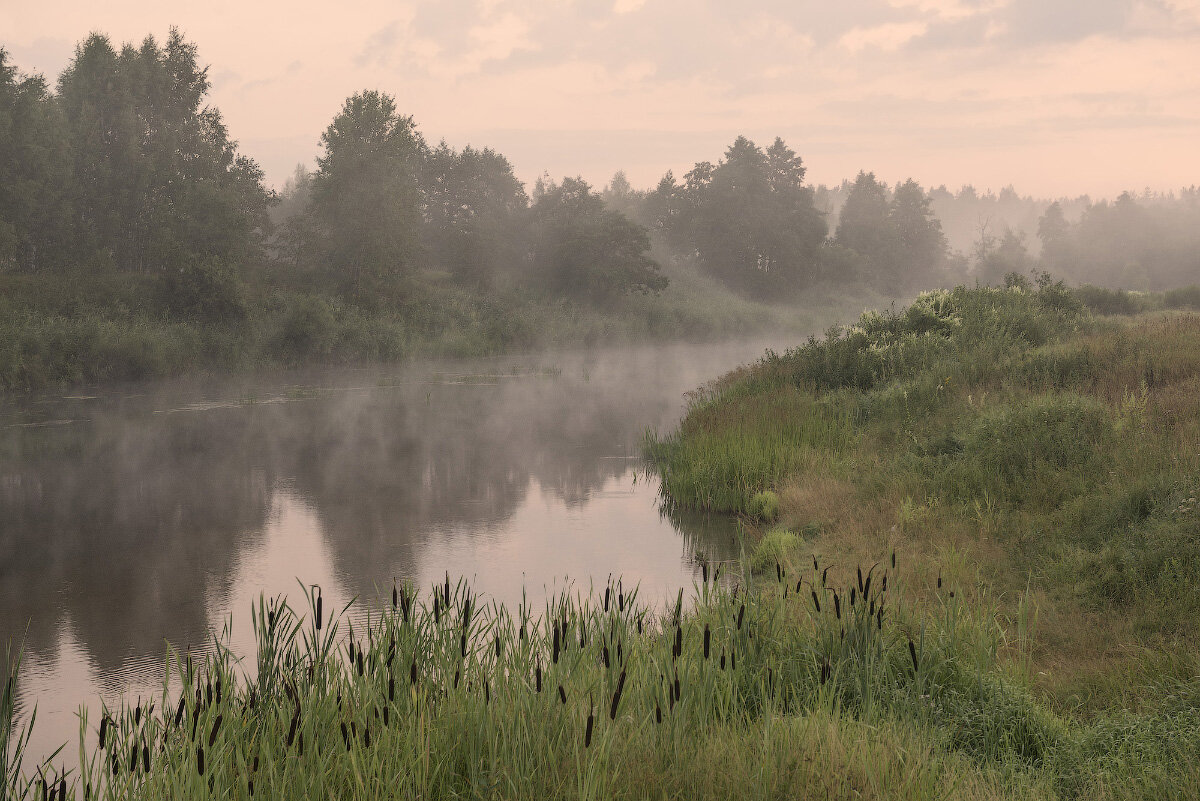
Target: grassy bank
<point>1039,458</point>
<point>86,328</point>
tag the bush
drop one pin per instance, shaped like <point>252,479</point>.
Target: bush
<point>764,506</point>
<point>1107,301</point>
<point>1187,297</point>
<point>204,289</point>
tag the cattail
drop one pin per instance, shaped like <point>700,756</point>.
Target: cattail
<point>860,578</point>
<point>612,712</point>
<point>939,581</point>
<point>200,760</point>
<point>621,601</point>
<point>104,730</point>
<point>678,640</point>
<point>115,765</point>
<point>884,586</point>
<point>639,624</point>
<point>462,644</point>
<point>212,735</point>
<point>208,695</point>
<point>722,659</point>
<point>607,593</point>
<point>319,615</point>
<point>893,560</point>
<point>137,714</point>
<point>733,659</point>
<point>456,678</point>
<point>62,787</point>
<point>391,688</point>
<point>538,676</point>
<point>604,653</point>
<point>816,602</point>
<point>133,758</point>
<point>676,685</point>
<point>778,573</point>
<point>707,639</point>
<point>912,651</point>
<point>824,574</point>
<point>291,738</point>
<point>587,734</point>
<point>487,693</point>
<point>741,614</point>
<point>360,661</point>
<point>879,619</point>
<point>386,716</point>
<point>345,736</point>
<point>837,605</point>
<point>554,658</point>
<point>395,599</point>
<point>815,563</point>
<point>250,786</point>
<point>716,574</point>
<point>412,672</point>
<point>799,584</point>
<point>437,611</point>
<point>562,694</point>
<point>852,596</point>
<point>498,647</point>
<point>522,632</point>
<point>704,572</point>
<point>620,656</point>
<point>466,614</point>
<point>657,713</point>
<point>367,734</point>
<point>447,588</point>
<point>582,635</point>
<point>195,722</point>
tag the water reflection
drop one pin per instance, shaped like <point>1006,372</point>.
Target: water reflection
<point>153,513</point>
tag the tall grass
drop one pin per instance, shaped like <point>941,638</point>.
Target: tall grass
<point>440,696</point>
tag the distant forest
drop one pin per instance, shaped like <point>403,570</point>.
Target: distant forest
<point>121,168</point>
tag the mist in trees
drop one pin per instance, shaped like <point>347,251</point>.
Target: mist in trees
<point>122,168</point>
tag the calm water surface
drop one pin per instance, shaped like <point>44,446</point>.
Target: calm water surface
<point>139,515</point>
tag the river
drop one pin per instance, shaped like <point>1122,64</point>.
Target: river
<point>138,515</point>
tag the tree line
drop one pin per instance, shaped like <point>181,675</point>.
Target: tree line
<point>123,166</point>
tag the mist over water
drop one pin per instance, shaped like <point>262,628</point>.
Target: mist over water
<point>157,513</point>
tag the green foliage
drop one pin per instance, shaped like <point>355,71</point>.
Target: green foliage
<point>364,214</point>
<point>583,249</point>
<point>774,548</point>
<point>764,506</point>
<point>204,289</point>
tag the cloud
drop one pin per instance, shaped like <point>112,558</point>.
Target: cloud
<point>889,36</point>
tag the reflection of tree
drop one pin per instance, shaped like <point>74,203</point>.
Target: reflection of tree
<point>121,527</point>
<point>125,524</point>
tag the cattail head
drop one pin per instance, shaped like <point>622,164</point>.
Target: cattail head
<point>816,602</point>
<point>554,658</point>
<point>319,615</point>
<point>616,701</point>
<point>741,614</point>
<point>412,671</point>
<point>587,734</point>
<point>562,694</point>
<point>912,651</point>
<point>212,735</point>
<point>199,760</point>
<point>538,676</point>
<point>707,640</point>
<point>837,605</point>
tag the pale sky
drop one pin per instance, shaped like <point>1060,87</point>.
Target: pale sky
<point>1057,97</point>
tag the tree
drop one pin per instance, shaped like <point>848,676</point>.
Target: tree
<point>751,219</point>
<point>156,178</point>
<point>583,249</point>
<point>474,212</point>
<point>33,172</point>
<point>365,211</point>
<point>917,246</point>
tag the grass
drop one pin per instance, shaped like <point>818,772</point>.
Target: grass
<point>1039,456</point>
<point>815,681</point>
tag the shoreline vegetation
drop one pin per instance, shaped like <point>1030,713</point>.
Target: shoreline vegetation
<point>969,572</point>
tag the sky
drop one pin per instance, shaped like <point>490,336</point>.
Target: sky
<point>1055,97</point>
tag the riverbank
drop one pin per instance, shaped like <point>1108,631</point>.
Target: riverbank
<point>1038,461</point>
<point>91,328</point>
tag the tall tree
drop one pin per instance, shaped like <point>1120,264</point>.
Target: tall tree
<point>474,212</point>
<point>365,210</point>
<point>917,246</point>
<point>34,172</point>
<point>157,179</point>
